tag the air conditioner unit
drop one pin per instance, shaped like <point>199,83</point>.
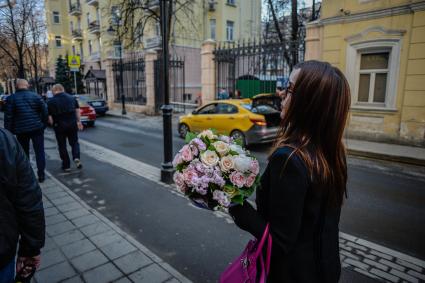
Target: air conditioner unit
<point>211,6</point>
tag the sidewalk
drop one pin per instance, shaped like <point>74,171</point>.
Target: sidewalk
<point>390,152</point>
<point>83,246</point>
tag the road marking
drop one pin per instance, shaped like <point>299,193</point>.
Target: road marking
<point>355,252</point>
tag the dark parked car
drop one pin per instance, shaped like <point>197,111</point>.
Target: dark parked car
<point>3,98</point>
<point>99,104</point>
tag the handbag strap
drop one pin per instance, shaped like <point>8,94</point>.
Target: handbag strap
<point>262,241</point>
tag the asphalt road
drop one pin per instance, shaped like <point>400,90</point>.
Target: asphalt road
<point>385,204</point>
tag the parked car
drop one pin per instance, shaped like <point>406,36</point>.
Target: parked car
<point>99,104</point>
<point>3,98</point>
<point>239,119</point>
<point>87,113</point>
<point>267,99</point>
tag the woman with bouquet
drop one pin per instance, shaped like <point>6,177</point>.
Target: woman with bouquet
<point>304,184</point>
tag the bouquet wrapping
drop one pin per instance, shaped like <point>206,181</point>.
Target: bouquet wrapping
<point>214,171</point>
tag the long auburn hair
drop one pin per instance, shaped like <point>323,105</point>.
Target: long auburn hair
<point>314,124</point>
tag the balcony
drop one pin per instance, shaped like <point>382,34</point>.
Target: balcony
<point>152,4</point>
<point>75,9</point>
<point>92,2</point>
<point>77,34</point>
<point>95,57</point>
<point>94,27</point>
<point>152,42</point>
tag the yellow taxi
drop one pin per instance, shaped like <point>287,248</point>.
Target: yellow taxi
<point>238,118</point>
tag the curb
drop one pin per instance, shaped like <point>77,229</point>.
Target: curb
<point>386,157</point>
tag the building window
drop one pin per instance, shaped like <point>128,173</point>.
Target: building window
<point>231,2</point>
<point>73,50</point>
<point>88,19</point>
<point>158,29</point>
<point>373,75</point>
<point>56,17</point>
<point>90,47</point>
<point>117,50</point>
<point>212,28</point>
<point>115,15</point>
<point>372,71</point>
<point>58,41</point>
<point>71,25</point>
<point>81,50</point>
<point>229,30</point>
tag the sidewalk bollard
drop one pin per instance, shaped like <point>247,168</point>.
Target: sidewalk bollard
<point>124,112</point>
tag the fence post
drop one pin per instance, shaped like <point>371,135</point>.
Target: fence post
<point>150,57</point>
<point>110,82</point>
<point>313,41</point>
<point>208,72</point>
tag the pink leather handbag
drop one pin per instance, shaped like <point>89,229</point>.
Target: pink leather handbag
<point>244,268</point>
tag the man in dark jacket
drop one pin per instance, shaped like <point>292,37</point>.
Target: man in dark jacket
<point>21,210</point>
<point>26,117</point>
<point>64,115</point>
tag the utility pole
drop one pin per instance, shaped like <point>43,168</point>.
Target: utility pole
<point>167,110</point>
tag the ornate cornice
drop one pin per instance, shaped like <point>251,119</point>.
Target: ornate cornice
<point>364,33</point>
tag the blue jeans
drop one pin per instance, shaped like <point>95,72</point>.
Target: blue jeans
<point>7,274</point>
<point>37,139</point>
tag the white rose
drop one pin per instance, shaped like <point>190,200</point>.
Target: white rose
<point>242,163</point>
<point>207,133</point>
<point>221,147</point>
<point>237,148</point>
<point>227,163</point>
<point>209,158</point>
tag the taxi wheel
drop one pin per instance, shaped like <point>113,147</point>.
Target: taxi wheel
<point>183,130</point>
<point>238,135</point>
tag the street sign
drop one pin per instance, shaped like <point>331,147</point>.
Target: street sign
<point>74,63</point>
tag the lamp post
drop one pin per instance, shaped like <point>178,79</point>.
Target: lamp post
<point>114,31</point>
<point>167,110</point>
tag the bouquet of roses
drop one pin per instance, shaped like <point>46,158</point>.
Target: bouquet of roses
<point>214,171</point>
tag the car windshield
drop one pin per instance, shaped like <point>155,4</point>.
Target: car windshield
<point>259,109</point>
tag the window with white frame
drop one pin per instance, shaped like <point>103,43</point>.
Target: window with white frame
<point>372,70</point>
<point>229,30</point>
<point>115,15</point>
<point>212,28</point>
<point>73,49</point>
<point>231,2</point>
<point>90,46</point>
<point>71,25</point>
<point>373,75</point>
<point>58,41</point>
<point>81,51</point>
<point>56,17</point>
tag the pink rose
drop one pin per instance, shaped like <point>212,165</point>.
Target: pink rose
<point>186,153</point>
<point>254,167</point>
<point>250,180</point>
<point>179,181</point>
<point>237,179</point>
<point>189,175</point>
<point>177,159</point>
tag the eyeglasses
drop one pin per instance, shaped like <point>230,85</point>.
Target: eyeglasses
<point>289,87</point>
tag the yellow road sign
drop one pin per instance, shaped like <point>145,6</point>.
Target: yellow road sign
<point>74,62</point>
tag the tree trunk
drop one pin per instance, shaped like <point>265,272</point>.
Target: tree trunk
<point>294,33</point>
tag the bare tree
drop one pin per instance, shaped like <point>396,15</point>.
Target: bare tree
<point>135,17</point>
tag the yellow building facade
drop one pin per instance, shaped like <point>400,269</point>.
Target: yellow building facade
<point>380,46</point>
<point>80,27</point>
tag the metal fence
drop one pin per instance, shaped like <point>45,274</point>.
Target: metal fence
<point>177,84</point>
<point>247,68</point>
<point>130,80</point>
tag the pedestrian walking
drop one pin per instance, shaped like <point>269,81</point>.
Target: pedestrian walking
<point>64,116</point>
<point>26,117</point>
<point>304,184</point>
<point>21,212</point>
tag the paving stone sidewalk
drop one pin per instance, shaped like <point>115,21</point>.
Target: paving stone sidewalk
<point>83,246</point>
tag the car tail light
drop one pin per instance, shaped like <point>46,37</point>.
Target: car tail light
<point>259,122</point>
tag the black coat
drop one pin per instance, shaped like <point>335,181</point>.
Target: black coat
<point>25,112</point>
<point>304,229</point>
<point>21,206</point>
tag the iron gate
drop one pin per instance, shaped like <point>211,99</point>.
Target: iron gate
<point>249,68</point>
<point>177,84</point>
<point>130,80</point>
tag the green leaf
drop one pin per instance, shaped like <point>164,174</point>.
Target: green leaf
<point>238,199</point>
<point>211,147</point>
<point>239,142</point>
<point>189,137</point>
<point>232,152</point>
